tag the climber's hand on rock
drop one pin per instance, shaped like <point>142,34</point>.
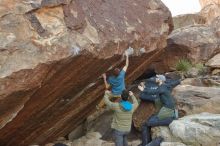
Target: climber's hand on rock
<point>126,53</point>
<point>141,88</point>
<point>104,76</point>
<point>142,84</point>
<point>131,93</point>
<point>107,92</point>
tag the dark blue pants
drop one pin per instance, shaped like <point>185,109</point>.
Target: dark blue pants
<point>152,122</point>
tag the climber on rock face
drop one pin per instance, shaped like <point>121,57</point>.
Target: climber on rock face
<point>116,82</point>
<point>165,108</point>
<point>122,118</point>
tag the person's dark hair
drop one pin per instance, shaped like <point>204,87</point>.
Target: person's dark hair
<point>125,95</point>
<point>116,72</point>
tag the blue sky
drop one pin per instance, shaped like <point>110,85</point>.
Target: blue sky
<point>178,7</point>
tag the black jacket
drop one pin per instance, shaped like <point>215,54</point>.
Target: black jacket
<point>153,91</point>
<point>150,85</point>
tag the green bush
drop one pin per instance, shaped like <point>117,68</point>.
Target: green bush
<point>201,68</point>
<point>183,65</point>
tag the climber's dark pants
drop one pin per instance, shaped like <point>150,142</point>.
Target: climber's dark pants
<point>120,138</point>
<point>152,122</point>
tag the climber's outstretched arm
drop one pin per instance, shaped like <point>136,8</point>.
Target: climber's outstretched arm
<point>127,62</point>
<point>105,81</point>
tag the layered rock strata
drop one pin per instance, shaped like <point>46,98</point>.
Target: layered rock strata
<point>52,54</point>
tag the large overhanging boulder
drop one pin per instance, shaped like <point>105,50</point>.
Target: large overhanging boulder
<point>52,54</point>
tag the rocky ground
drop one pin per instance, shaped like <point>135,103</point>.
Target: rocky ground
<point>52,54</point>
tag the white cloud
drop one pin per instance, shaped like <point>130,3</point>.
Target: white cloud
<point>178,7</point>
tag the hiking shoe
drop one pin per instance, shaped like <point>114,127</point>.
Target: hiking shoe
<point>156,141</point>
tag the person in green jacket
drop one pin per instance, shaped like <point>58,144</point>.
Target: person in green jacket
<point>122,118</point>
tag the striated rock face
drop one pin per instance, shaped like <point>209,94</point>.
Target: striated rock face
<point>143,112</point>
<point>52,54</point>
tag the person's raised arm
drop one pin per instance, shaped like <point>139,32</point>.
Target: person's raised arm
<point>134,99</point>
<point>110,104</point>
<point>105,81</point>
<point>127,62</point>
<point>173,83</point>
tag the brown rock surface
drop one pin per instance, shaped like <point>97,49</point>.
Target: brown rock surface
<point>143,112</point>
<point>52,54</point>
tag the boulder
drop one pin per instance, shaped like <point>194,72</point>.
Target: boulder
<point>210,12</point>
<point>216,72</point>
<point>196,38</point>
<point>197,99</point>
<point>188,19</point>
<point>100,122</point>
<point>214,62</point>
<point>197,43</point>
<point>209,81</point>
<point>216,25</point>
<point>193,72</point>
<point>93,139</point>
<point>193,43</point>
<point>52,54</point>
<point>197,130</point>
<point>90,139</point>
<point>204,3</point>
<point>172,144</point>
<point>164,132</point>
